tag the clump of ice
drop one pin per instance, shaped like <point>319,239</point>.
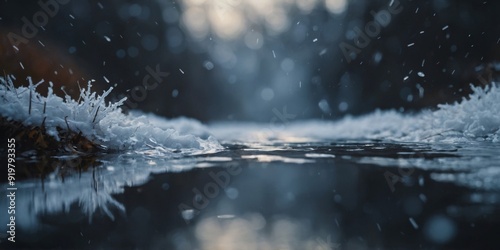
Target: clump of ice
<point>102,123</point>
<point>474,118</point>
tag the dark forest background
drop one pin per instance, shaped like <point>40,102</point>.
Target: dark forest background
<point>428,54</point>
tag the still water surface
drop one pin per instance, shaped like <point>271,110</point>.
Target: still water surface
<point>274,195</point>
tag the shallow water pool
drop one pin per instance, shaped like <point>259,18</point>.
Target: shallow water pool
<point>318,195</point>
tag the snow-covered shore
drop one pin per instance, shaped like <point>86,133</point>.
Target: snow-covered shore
<point>99,122</point>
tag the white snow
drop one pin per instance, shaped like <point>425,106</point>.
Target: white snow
<point>413,223</point>
<point>474,118</point>
<point>102,123</point>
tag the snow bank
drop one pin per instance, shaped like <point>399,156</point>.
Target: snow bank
<point>474,118</point>
<point>101,123</point>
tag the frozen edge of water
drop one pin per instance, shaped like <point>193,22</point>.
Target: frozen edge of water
<point>102,123</point>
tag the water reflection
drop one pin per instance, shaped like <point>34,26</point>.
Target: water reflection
<point>284,196</point>
<point>88,183</point>
<point>247,232</point>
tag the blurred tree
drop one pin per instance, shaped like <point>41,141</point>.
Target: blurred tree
<point>428,54</point>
